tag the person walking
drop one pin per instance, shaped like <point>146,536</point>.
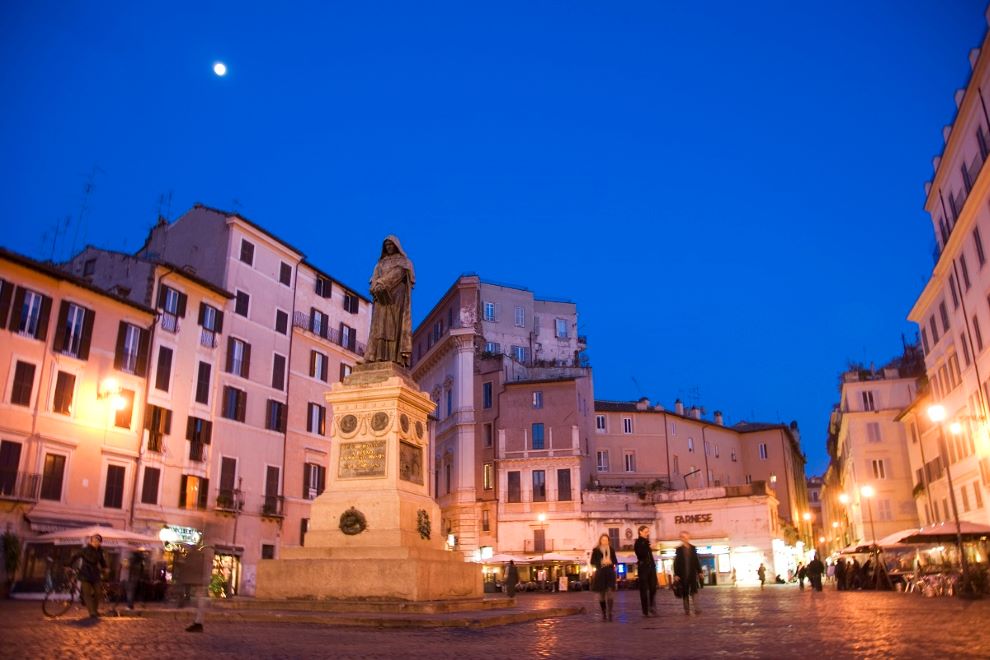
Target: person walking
<point>135,573</point>
<point>687,568</point>
<point>802,573</point>
<point>762,573</point>
<point>604,560</point>
<point>511,578</point>
<point>91,567</point>
<point>840,574</point>
<point>815,570</point>
<point>646,567</point>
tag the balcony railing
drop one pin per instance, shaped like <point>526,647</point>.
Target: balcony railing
<point>229,499</point>
<point>304,321</point>
<point>208,338</point>
<point>530,546</point>
<point>272,506</point>
<point>169,322</point>
<point>197,451</point>
<point>19,485</point>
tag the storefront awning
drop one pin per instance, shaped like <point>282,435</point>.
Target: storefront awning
<point>42,524</point>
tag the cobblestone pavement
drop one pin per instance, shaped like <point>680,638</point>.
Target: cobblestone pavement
<point>778,622</point>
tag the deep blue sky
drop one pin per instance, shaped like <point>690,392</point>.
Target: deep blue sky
<point>731,192</point>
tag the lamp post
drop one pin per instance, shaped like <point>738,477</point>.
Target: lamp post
<point>868,492</point>
<point>936,413</point>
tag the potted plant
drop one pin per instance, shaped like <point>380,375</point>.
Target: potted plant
<point>11,559</point>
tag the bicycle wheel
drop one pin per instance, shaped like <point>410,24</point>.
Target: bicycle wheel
<point>58,601</point>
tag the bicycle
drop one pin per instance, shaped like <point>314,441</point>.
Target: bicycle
<point>63,594</point>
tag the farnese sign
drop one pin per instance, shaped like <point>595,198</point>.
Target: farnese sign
<point>695,518</point>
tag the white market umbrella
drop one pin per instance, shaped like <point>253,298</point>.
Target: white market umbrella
<point>112,538</point>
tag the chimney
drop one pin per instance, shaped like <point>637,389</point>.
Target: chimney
<point>718,418</point>
<point>659,407</point>
<point>696,412</point>
<point>643,404</point>
<point>679,407</point>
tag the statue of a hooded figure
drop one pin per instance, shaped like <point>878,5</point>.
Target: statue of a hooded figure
<point>390,339</point>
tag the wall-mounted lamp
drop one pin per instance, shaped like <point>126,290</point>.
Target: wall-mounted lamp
<point>110,390</point>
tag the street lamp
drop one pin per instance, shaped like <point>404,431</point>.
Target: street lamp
<point>868,492</point>
<point>936,413</point>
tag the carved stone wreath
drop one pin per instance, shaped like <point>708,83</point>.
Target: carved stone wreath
<point>423,524</point>
<point>352,522</point>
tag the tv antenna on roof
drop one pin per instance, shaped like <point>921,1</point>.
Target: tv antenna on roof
<point>87,191</point>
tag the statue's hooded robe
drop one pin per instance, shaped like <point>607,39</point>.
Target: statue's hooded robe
<point>390,339</point>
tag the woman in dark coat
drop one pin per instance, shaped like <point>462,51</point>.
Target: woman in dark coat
<point>687,568</point>
<point>604,560</point>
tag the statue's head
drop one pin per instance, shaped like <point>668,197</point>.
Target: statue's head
<point>388,247</point>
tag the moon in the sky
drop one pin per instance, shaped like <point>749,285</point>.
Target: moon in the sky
<point>220,69</point>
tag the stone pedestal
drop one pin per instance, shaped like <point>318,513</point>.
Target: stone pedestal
<point>374,533</point>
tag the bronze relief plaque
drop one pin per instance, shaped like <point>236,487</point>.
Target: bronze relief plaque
<point>362,459</point>
<point>419,430</point>
<point>404,422</point>
<point>348,423</point>
<point>379,421</point>
<point>410,463</point>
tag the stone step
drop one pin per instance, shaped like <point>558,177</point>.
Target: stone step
<point>365,606</point>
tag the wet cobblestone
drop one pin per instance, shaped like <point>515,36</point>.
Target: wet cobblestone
<point>779,622</point>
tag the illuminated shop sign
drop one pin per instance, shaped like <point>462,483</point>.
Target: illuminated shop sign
<point>693,518</point>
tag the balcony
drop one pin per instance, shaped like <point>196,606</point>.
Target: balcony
<point>273,506</point>
<point>208,338</point>
<point>169,322</point>
<point>197,451</point>
<point>302,320</point>
<point>230,500</point>
<point>21,486</point>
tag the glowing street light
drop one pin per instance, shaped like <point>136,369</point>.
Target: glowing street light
<point>936,413</point>
<point>843,498</point>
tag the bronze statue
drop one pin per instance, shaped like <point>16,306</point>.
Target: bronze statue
<point>390,339</point>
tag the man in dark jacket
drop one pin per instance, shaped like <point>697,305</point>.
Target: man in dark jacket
<point>91,568</point>
<point>687,568</point>
<point>646,567</point>
<point>815,569</point>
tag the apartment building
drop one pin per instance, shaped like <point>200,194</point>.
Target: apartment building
<point>870,451</point>
<point>513,411</point>
<point>271,332</point>
<point>74,362</point>
<point>953,312</point>
<point>638,445</point>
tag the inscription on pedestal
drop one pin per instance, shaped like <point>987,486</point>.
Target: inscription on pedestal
<point>410,463</point>
<point>362,459</point>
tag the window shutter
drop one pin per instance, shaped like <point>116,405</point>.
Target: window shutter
<point>247,361</point>
<point>149,414</point>
<point>190,427</point>
<point>230,355</point>
<point>6,293</point>
<point>312,363</point>
<point>321,475</point>
<point>182,491</point>
<point>161,296</point>
<point>305,481</point>
<point>204,493</point>
<point>219,328</point>
<point>15,314</point>
<point>207,438</point>
<point>141,369</point>
<point>241,404</point>
<point>63,315</point>
<point>118,355</point>
<point>183,298</point>
<point>167,430</point>
<point>202,313</point>
<point>89,319</point>
<point>323,420</point>
<point>46,311</point>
